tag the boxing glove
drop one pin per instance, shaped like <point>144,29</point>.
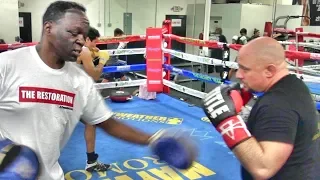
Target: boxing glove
<point>122,45</point>
<point>103,57</point>
<point>222,106</point>
<point>175,147</point>
<point>17,162</point>
<point>246,95</point>
<point>243,40</point>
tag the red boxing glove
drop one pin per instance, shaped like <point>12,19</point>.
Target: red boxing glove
<point>246,96</point>
<point>222,106</point>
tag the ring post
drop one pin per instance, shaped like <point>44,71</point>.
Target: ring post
<point>167,25</point>
<point>154,59</point>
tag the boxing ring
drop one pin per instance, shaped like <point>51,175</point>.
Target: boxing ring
<point>133,162</point>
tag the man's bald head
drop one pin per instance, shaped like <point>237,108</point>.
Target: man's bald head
<point>261,64</point>
<point>265,50</point>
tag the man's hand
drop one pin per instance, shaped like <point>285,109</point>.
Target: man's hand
<point>222,106</point>
<point>166,144</point>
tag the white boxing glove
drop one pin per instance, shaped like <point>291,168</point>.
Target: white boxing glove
<point>244,39</point>
<point>122,45</point>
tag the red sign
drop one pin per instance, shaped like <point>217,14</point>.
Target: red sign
<point>46,95</point>
<point>154,59</point>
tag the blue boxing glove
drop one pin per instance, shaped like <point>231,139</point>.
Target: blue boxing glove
<point>174,147</point>
<point>17,162</point>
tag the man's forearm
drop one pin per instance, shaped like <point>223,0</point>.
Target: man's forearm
<point>124,132</point>
<point>98,71</point>
<point>252,158</point>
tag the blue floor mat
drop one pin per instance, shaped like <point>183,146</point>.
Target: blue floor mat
<point>133,162</point>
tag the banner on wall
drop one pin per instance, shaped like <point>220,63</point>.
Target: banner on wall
<point>311,9</point>
<point>21,23</point>
<point>315,13</point>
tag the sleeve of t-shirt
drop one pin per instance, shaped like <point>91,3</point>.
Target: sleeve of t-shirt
<point>2,70</point>
<point>95,110</point>
<point>223,39</point>
<point>275,123</point>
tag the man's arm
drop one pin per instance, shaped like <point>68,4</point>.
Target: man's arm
<point>275,131</point>
<point>124,132</point>
<point>87,61</point>
<point>96,112</point>
<point>262,159</point>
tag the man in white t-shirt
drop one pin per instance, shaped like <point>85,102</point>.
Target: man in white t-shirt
<point>43,94</point>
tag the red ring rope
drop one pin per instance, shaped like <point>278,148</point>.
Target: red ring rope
<point>196,42</point>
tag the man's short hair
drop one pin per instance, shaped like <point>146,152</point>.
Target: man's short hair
<point>118,31</point>
<point>93,33</point>
<point>243,31</point>
<point>58,9</point>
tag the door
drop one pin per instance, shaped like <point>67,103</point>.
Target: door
<point>179,24</point>
<point>25,26</point>
<point>127,23</point>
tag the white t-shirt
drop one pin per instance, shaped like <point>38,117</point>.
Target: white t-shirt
<point>40,106</point>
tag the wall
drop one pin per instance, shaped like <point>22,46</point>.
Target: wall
<point>285,10</point>
<point>37,8</point>
<point>255,16</point>
<point>9,27</point>
<point>152,14</point>
<point>231,18</point>
<point>195,23</point>
<point>265,14</point>
<point>267,2</point>
<point>145,13</point>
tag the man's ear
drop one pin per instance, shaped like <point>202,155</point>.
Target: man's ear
<point>271,70</point>
<point>47,28</point>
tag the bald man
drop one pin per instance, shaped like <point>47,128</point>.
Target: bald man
<point>279,140</point>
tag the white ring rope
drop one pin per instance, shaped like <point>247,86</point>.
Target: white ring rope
<point>134,83</point>
<point>184,89</point>
<point>306,70</point>
<point>314,67</point>
<point>193,58</point>
<point>307,78</point>
<point>200,59</point>
<point>234,65</point>
<point>118,52</point>
<point>314,46</point>
<point>118,84</point>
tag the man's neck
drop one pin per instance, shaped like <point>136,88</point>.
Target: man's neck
<point>49,57</point>
<point>282,73</point>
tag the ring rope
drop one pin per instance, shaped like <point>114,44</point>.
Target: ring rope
<point>314,67</point>
<point>117,84</point>
<point>215,44</point>
<point>131,38</point>
<point>233,65</point>
<point>314,46</point>
<point>292,32</point>
<point>200,59</point>
<point>118,52</point>
<point>184,89</point>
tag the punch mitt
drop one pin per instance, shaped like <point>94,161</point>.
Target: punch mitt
<point>17,162</point>
<point>175,147</point>
<point>120,96</point>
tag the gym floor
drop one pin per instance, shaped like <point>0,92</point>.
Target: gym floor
<point>133,162</point>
